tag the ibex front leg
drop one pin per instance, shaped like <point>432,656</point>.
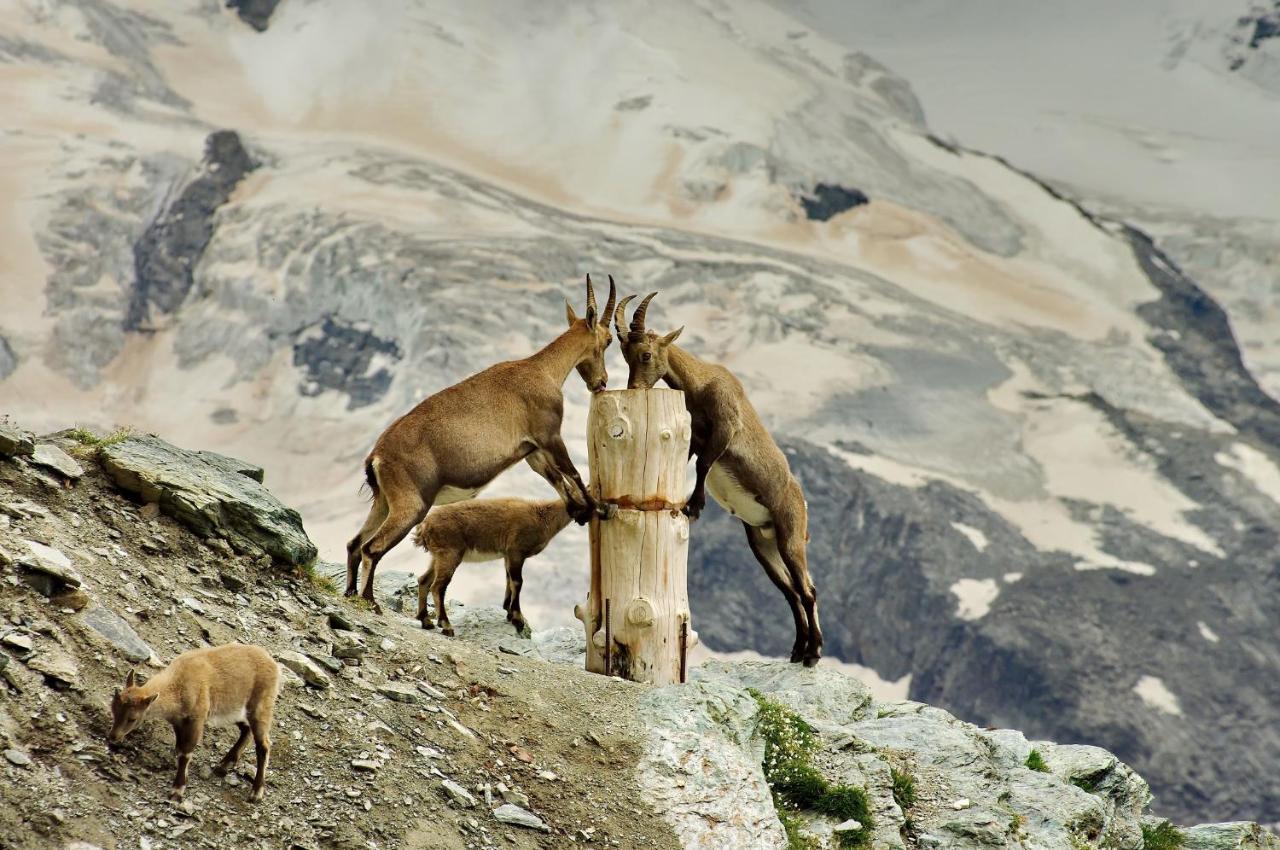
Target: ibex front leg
<point>717,441</point>
<point>563,466</point>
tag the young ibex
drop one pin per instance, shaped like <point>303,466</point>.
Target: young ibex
<point>455,442</point>
<point>738,461</point>
<point>484,530</point>
<point>236,683</point>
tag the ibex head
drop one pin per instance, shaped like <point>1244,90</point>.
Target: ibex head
<point>591,366</point>
<point>644,351</point>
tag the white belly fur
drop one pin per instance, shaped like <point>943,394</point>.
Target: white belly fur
<point>449,495</point>
<point>227,719</point>
<point>477,555</point>
<point>731,495</point>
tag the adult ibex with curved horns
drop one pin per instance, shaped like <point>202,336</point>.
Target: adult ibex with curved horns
<point>738,461</point>
<point>455,442</point>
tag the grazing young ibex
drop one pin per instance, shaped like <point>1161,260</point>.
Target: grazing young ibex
<point>484,530</point>
<point>455,442</point>
<point>236,683</point>
<point>738,461</point>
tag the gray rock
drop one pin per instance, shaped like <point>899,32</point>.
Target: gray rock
<point>430,690</point>
<point>117,631</point>
<point>231,581</point>
<point>50,456</point>
<point>398,693</point>
<point>347,645</point>
<point>516,816</point>
<point>208,498</point>
<point>365,765</point>
<point>194,604</point>
<point>17,758</point>
<point>18,641</point>
<point>14,441</point>
<point>51,562</point>
<point>819,694</point>
<point>328,662</point>
<point>458,794</point>
<point>304,667</point>
<point>700,767</point>
<point>1237,835</point>
<point>339,620</point>
<point>233,465</point>
<point>563,645</point>
<point>57,667</point>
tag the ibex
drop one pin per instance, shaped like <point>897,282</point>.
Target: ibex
<point>738,461</point>
<point>455,442</point>
<point>236,683</point>
<point>484,530</point>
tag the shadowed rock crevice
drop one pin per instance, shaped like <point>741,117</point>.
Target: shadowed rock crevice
<point>346,357</point>
<point>829,200</point>
<point>1195,337</point>
<point>255,13</point>
<point>166,256</point>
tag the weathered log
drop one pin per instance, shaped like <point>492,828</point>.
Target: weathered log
<point>637,611</point>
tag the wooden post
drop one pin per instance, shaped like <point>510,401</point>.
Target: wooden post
<point>637,610</point>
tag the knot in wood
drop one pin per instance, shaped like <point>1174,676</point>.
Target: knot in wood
<point>640,612</point>
<point>666,434</point>
<point>619,428</point>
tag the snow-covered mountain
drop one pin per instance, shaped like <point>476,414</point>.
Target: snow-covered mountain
<point>1044,482</point>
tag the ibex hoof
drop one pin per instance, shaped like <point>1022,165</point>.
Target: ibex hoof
<point>447,631</point>
<point>176,794</point>
<point>606,510</point>
<point>811,661</point>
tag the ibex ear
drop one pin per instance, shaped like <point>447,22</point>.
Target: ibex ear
<point>672,337</point>
<point>568,312</point>
<point>147,702</point>
<point>129,680</point>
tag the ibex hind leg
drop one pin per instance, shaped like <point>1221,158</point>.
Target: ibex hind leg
<point>424,590</point>
<point>764,545</point>
<point>377,514</point>
<point>406,506</point>
<point>791,545</point>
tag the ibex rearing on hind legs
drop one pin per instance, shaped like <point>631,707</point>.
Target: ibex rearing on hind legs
<point>738,461</point>
<point>455,442</point>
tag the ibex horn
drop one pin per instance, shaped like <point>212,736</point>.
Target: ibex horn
<point>620,317</point>
<point>637,319</point>
<point>592,310</point>
<point>608,305</point>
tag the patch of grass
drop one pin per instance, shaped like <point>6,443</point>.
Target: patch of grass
<point>85,437</point>
<point>789,743</point>
<point>904,789</point>
<point>1163,836</point>
<point>1084,784</point>
<point>1035,761</point>
<point>321,582</point>
<point>797,838</point>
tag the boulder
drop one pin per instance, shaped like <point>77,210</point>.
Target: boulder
<point>516,816</point>
<point>117,632</point>
<point>50,456</point>
<point>347,645</point>
<point>58,668</point>
<point>14,441</point>
<point>701,767</point>
<point>818,694</point>
<point>563,645</point>
<point>304,667</point>
<point>49,570</point>
<point>212,498</point>
<point>1237,835</point>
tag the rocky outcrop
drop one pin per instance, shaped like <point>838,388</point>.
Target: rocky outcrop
<point>930,780</point>
<point>166,256</point>
<point>212,497</point>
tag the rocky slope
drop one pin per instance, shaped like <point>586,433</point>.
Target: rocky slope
<point>1044,475</point>
<point>387,735</point>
